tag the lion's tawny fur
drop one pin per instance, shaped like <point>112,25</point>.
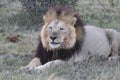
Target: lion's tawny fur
<point>64,37</point>
<point>72,21</point>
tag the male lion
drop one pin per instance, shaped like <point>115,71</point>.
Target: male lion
<point>64,37</point>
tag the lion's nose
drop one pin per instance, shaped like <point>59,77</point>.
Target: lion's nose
<point>53,38</point>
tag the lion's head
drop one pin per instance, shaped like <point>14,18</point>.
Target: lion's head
<point>62,28</point>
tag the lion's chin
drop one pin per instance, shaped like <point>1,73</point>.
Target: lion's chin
<point>54,46</point>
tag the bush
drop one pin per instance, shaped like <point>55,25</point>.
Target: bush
<point>35,9</point>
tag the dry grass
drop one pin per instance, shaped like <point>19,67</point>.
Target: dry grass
<point>15,55</point>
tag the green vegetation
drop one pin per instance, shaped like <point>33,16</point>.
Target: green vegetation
<point>14,19</point>
<point>102,13</point>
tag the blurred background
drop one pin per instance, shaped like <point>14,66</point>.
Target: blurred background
<point>16,15</point>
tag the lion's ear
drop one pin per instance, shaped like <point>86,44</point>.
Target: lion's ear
<point>43,17</point>
<point>46,18</point>
<point>50,15</point>
<point>73,21</point>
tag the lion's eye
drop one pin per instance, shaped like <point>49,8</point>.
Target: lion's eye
<point>50,28</point>
<point>61,29</point>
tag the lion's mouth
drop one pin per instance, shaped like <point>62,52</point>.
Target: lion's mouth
<point>54,45</point>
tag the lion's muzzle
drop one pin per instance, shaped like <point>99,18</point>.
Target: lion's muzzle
<point>53,38</point>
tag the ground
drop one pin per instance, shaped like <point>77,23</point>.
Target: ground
<point>15,55</point>
<point>101,13</point>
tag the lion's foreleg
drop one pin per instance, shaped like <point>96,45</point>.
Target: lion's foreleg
<point>34,63</point>
<point>48,64</point>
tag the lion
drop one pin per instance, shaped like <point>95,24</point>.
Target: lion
<point>64,37</point>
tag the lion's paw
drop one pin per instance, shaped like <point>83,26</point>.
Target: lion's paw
<point>38,69</point>
<point>115,58</point>
<point>26,68</point>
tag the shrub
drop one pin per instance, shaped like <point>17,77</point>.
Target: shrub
<point>36,8</point>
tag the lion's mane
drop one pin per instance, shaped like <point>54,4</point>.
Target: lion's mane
<point>65,14</point>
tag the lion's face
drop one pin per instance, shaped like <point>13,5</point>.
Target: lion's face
<point>58,34</point>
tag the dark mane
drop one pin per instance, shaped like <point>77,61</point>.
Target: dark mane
<point>68,11</point>
<point>59,9</point>
<point>63,54</point>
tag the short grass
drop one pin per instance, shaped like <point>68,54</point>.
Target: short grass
<point>100,13</point>
<point>15,55</point>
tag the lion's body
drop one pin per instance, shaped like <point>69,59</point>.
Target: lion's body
<point>96,41</point>
<point>64,37</point>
